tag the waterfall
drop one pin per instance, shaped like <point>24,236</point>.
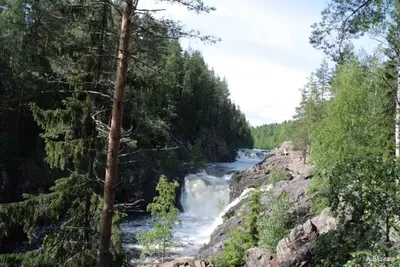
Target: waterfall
<point>205,200</point>
<point>205,194</point>
<point>236,201</point>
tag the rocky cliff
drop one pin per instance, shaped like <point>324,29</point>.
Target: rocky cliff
<point>295,249</point>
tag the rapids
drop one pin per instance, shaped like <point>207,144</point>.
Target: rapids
<point>205,199</point>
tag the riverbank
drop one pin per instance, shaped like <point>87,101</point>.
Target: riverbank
<point>204,196</point>
<point>294,249</point>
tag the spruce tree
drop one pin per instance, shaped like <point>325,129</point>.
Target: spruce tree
<point>164,215</point>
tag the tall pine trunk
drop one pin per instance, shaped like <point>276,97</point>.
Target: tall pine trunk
<point>104,255</point>
<point>397,132</point>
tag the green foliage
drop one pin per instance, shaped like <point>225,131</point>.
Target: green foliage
<point>277,175</point>
<point>270,136</point>
<point>197,154</point>
<point>64,123</point>
<point>275,223</point>
<point>253,214</point>
<point>239,239</point>
<point>235,247</point>
<point>355,122</point>
<point>73,242</point>
<point>347,20</point>
<point>364,194</point>
<point>264,227</point>
<point>164,215</point>
<point>311,109</point>
<point>376,258</point>
<point>55,94</point>
<point>331,250</point>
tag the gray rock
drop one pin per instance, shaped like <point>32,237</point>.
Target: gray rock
<point>298,180</point>
<point>295,250</point>
<point>218,237</point>
<point>258,257</point>
<point>325,222</point>
<point>186,263</point>
<point>292,163</point>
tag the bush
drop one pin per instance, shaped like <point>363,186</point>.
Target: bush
<point>319,191</point>
<point>239,241</point>
<point>277,175</point>
<point>331,250</point>
<point>276,223</point>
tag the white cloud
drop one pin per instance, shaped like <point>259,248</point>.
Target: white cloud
<point>264,54</point>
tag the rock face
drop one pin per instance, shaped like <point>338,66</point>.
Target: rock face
<point>284,157</point>
<point>295,249</point>
<point>258,257</point>
<point>233,218</point>
<point>186,263</point>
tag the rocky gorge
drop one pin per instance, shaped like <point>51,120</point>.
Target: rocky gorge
<point>295,249</point>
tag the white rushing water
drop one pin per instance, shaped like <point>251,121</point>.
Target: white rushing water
<point>205,199</point>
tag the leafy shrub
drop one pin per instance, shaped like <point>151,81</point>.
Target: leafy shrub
<point>242,239</point>
<point>318,190</point>
<point>276,223</point>
<point>363,191</point>
<point>277,175</point>
<point>239,241</point>
<point>331,250</point>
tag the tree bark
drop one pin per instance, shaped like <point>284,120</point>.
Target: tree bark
<point>397,132</point>
<point>104,255</point>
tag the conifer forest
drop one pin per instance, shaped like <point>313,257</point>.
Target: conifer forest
<point>120,145</point>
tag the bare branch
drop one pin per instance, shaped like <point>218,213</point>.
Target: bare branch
<point>150,10</point>
<point>126,133</point>
<point>129,206</point>
<point>149,150</point>
<point>80,91</point>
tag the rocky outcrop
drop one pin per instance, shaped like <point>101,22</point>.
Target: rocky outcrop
<point>258,257</point>
<point>185,263</point>
<point>294,250</point>
<point>233,218</point>
<point>284,157</point>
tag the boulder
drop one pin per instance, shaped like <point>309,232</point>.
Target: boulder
<point>295,249</point>
<point>258,257</point>
<point>185,263</point>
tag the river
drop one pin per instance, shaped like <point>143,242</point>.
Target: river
<point>205,199</point>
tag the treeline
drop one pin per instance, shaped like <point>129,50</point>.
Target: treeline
<point>269,136</point>
<point>58,65</point>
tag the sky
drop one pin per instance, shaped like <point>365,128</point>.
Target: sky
<point>264,52</point>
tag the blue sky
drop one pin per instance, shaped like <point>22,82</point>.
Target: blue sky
<point>264,54</point>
